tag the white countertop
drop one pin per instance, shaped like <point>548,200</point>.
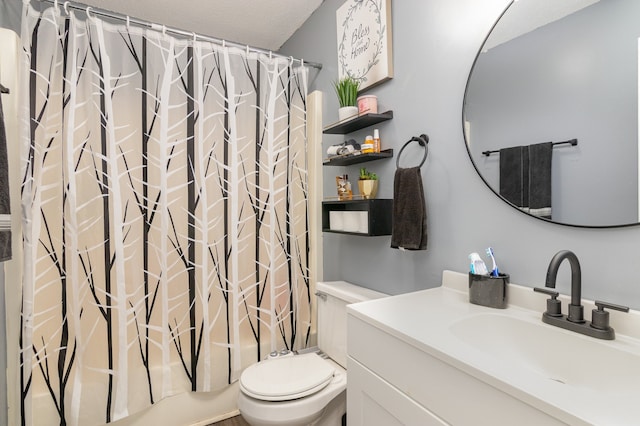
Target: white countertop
<point>424,319</point>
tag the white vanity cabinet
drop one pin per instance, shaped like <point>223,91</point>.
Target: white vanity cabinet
<point>406,367</point>
<point>392,382</point>
<point>432,358</point>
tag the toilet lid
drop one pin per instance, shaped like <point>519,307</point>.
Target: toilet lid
<point>286,378</point>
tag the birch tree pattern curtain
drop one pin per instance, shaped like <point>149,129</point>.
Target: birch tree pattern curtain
<point>165,206</point>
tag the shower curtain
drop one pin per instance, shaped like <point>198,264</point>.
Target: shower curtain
<point>164,201</point>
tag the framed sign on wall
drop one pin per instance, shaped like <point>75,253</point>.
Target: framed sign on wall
<point>364,41</point>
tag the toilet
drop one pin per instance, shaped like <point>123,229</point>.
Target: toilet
<point>310,387</point>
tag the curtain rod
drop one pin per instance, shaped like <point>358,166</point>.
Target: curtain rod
<point>572,142</point>
<point>159,27</point>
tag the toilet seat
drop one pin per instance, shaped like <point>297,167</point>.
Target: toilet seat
<point>286,378</point>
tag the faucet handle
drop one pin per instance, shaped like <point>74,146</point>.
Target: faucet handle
<point>554,306</point>
<point>551,293</point>
<point>602,305</point>
<point>600,317</point>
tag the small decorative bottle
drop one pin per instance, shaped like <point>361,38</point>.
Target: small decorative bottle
<point>349,195</point>
<point>376,140</point>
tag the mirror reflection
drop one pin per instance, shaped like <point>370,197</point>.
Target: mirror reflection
<point>552,101</point>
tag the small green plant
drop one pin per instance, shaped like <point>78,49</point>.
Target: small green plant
<point>365,175</point>
<point>347,91</point>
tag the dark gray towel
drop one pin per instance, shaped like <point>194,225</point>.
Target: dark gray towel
<point>525,177</point>
<point>514,164</point>
<point>409,211</point>
<point>5,208</point>
<point>540,179</point>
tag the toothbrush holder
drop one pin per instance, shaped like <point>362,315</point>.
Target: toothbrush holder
<point>488,291</point>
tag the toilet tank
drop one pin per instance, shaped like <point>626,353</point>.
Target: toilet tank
<point>333,298</point>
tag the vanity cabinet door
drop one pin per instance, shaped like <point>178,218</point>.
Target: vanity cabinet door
<point>371,401</point>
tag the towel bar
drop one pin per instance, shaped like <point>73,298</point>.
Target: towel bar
<point>572,142</point>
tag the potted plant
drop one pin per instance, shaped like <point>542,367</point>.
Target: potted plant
<point>347,91</point>
<point>367,184</point>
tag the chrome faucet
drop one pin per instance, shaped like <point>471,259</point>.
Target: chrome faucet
<point>574,321</point>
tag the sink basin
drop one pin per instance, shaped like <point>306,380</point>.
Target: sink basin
<point>554,354</point>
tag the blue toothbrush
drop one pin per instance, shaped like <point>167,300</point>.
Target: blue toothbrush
<point>494,272</point>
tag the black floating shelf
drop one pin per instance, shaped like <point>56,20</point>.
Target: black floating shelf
<point>357,123</point>
<point>346,160</point>
<point>378,211</point>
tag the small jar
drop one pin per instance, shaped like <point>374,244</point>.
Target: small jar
<point>368,146</point>
<point>367,104</point>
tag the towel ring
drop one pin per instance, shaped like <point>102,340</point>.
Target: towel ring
<point>423,140</point>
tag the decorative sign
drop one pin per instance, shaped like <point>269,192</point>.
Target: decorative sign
<point>364,41</point>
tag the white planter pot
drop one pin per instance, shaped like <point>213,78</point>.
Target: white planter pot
<point>347,112</point>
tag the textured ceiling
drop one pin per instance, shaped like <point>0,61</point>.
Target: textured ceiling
<point>266,24</point>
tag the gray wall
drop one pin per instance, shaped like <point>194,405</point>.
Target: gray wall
<point>10,13</point>
<point>573,78</point>
<point>435,43</point>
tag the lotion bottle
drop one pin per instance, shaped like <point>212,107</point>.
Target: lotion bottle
<point>376,140</point>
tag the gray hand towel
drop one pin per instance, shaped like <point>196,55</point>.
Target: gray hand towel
<point>525,177</point>
<point>514,166</point>
<point>5,208</point>
<point>409,211</point>
<point>540,179</point>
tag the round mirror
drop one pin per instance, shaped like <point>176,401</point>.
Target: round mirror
<point>550,112</point>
